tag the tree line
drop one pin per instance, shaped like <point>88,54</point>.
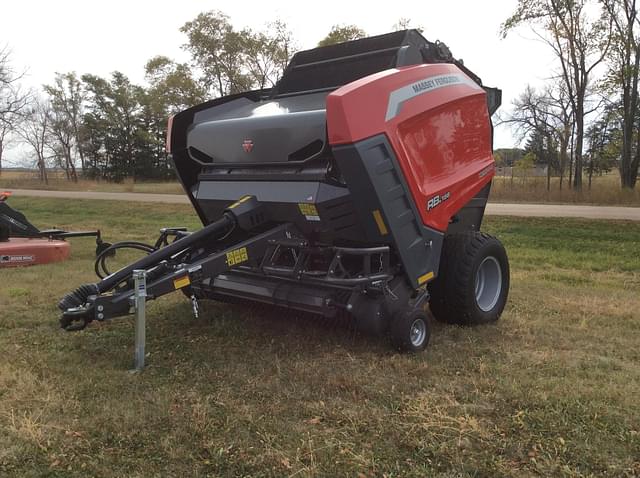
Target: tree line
<point>583,121</point>
<point>111,129</point>
<point>586,118</point>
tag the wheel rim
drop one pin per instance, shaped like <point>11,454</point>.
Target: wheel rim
<point>488,283</point>
<point>418,332</point>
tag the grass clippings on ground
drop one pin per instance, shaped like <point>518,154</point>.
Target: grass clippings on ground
<point>551,390</point>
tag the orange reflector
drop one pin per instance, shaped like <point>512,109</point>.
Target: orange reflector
<point>382,227</point>
<point>181,282</point>
<point>424,278</point>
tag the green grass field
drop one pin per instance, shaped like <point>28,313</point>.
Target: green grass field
<point>551,390</point>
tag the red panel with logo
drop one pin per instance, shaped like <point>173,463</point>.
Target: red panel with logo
<point>435,118</point>
<point>19,252</point>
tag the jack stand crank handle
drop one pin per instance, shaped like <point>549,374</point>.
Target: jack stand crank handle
<point>194,306</point>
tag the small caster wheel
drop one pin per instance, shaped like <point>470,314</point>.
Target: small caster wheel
<point>410,331</point>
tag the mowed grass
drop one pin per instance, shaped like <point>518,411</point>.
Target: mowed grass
<point>550,390</point>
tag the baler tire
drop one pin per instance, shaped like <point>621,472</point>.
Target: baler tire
<point>410,330</point>
<point>454,295</point>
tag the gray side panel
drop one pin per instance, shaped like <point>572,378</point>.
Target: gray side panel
<point>469,218</point>
<point>374,177</point>
<point>336,218</point>
<point>264,191</point>
<point>259,139</point>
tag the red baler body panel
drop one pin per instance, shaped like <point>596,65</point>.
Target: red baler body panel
<point>437,121</point>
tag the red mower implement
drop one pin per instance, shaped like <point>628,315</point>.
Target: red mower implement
<point>23,244</point>
<point>355,186</point>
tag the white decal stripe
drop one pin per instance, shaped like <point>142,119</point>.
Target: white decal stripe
<point>426,85</point>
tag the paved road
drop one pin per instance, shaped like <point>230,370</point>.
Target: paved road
<point>528,210</point>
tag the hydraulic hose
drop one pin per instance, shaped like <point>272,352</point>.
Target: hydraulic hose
<point>215,230</point>
<point>212,231</point>
<point>100,265</point>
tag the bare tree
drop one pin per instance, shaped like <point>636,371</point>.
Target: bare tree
<point>6,128</point>
<point>544,118</point>
<point>13,101</point>
<point>404,23</point>
<point>267,53</point>
<point>533,119</point>
<point>67,97</point>
<point>61,140</point>
<point>604,139</point>
<point>35,130</point>
<point>580,41</point>
<point>562,114</point>
<point>625,67</point>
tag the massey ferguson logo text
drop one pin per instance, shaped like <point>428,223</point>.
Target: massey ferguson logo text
<point>436,82</point>
<point>433,83</point>
<point>247,145</point>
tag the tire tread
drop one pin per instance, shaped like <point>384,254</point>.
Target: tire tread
<point>451,300</point>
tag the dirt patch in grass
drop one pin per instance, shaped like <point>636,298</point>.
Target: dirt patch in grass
<point>248,391</point>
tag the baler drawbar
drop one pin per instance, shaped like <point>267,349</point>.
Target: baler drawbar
<point>355,186</point>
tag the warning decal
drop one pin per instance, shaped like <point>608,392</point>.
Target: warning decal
<point>237,256</point>
<point>309,211</point>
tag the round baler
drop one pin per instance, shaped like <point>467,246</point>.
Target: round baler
<point>356,185</point>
